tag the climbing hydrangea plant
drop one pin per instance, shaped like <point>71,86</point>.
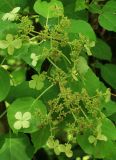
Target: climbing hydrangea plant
<point>57,80</point>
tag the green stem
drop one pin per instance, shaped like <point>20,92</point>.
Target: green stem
<point>31,34</point>
<point>84,113</point>
<point>3,114</point>
<point>3,61</point>
<point>53,64</point>
<point>43,93</point>
<point>35,32</point>
<point>47,19</point>
<point>73,115</point>
<point>34,38</point>
<point>66,58</point>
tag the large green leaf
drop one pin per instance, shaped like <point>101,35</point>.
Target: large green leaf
<point>101,150</point>
<point>80,26</point>
<point>108,73</point>
<point>102,50</point>
<point>4,84</point>
<point>108,17</point>
<point>50,9</point>
<point>16,147</point>
<point>23,105</point>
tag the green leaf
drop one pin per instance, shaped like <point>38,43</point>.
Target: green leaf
<point>18,76</point>
<point>69,11</point>
<point>4,84</point>
<point>50,9</point>
<point>108,74</point>
<point>102,50</point>
<point>78,26</point>
<point>109,108</point>
<point>38,50</point>
<point>16,147</point>
<point>27,104</point>
<point>109,6</point>
<point>7,27</point>
<point>21,90</point>
<point>109,129</point>
<point>40,137</point>
<point>94,8</point>
<point>108,17</point>
<point>8,5</point>
<point>101,150</point>
<point>90,82</point>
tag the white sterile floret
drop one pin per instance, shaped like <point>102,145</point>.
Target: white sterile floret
<point>11,16</point>
<point>22,120</point>
<point>34,58</point>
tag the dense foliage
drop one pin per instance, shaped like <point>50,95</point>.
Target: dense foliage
<point>57,80</point>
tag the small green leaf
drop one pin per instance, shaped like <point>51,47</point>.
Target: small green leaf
<point>80,5</point>
<point>18,76</point>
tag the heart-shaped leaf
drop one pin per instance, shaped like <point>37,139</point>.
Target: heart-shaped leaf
<point>35,108</point>
<point>49,9</point>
